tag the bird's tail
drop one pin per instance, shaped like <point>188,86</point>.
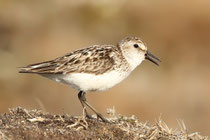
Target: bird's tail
<point>36,68</point>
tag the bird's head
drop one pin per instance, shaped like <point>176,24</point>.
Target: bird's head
<point>135,51</point>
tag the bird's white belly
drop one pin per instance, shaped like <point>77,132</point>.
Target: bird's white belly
<point>90,82</point>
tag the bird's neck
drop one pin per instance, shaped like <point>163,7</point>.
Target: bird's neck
<point>133,60</point>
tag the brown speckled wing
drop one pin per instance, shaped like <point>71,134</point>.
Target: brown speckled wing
<point>95,59</point>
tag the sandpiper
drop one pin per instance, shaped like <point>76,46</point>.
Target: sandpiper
<point>95,68</point>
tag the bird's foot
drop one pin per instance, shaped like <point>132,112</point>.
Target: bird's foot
<point>102,118</point>
<point>88,116</point>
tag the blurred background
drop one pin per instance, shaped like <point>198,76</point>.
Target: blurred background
<point>178,32</point>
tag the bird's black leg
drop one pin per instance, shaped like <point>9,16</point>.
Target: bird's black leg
<point>81,96</point>
<point>83,100</point>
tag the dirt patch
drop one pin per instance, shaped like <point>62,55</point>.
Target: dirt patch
<point>20,123</point>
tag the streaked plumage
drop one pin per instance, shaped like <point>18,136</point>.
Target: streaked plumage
<point>95,59</point>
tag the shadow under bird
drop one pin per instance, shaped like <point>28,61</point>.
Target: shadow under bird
<point>95,68</point>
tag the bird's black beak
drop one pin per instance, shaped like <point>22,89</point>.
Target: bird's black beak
<point>152,58</point>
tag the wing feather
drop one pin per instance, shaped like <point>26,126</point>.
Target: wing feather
<point>95,59</point>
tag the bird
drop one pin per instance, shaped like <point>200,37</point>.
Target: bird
<point>95,68</point>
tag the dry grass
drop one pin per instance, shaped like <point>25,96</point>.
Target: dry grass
<point>20,123</point>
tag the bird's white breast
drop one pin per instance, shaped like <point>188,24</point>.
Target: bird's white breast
<point>91,82</point>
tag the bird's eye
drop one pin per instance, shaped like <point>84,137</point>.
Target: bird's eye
<point>136,45</point>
